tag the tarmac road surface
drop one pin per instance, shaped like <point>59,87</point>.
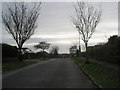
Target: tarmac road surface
<point>54,73</point>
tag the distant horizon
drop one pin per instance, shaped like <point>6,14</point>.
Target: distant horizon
<point>58,51</point>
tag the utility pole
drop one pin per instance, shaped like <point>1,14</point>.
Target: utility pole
<point>79,41</point>
<point>79,44</point>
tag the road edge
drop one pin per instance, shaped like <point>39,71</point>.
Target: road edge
<point>89,76</point>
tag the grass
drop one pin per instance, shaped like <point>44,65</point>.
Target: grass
<point>15,65</point>
<point>106,77</point>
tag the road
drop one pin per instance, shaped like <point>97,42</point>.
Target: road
<point>54,73</point>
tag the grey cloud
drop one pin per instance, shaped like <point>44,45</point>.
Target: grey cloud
<point>55,20</point>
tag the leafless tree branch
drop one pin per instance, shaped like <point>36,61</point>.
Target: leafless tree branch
<point>86,20</point>
<point>20,21</point>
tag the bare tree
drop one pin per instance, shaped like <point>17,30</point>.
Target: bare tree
<point>73,50</point>
<point>42,45</point>
<point>75,43</point>
<point>54,51</point>
<point>20,21</point>
<point>86,20</point>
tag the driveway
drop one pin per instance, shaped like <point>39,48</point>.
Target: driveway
<point>54,73</point>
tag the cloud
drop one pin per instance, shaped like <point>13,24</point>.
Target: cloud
<point>55,26</point>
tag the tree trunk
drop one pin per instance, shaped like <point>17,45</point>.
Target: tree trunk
<point>79,51</point>
<point>86,54</point>
<point>20,57</point>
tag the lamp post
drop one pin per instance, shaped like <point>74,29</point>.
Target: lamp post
<point>79,39</point>
<point>79,44</point>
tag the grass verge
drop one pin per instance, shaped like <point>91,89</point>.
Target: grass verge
<point>106,77</point>
<point>15,65</point>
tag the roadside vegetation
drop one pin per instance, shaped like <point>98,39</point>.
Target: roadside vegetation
<point>104,76</point>
<point>10,60</point>
<point>15,65</point>
<point>104,60</point>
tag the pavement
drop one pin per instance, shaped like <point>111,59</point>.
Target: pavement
<point>54,73</point>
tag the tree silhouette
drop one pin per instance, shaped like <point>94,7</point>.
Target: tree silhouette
<point>42,45</point>
<point>6,50</point>
<point>54,51</point>
<point>72,50</point>
<point>20,22</point>
<point>86,20</point>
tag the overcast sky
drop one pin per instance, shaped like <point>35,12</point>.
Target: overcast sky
<point>55,26</point>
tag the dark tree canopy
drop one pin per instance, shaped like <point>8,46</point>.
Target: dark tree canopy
<point>109,52</point>
<point>8,50</point>
<point>42,45</point>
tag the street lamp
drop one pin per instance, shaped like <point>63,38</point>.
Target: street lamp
<point>79,38</point>
<point>79,44</point>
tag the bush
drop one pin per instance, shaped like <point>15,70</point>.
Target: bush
<point>9,51</point>
<point>109,52</point>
